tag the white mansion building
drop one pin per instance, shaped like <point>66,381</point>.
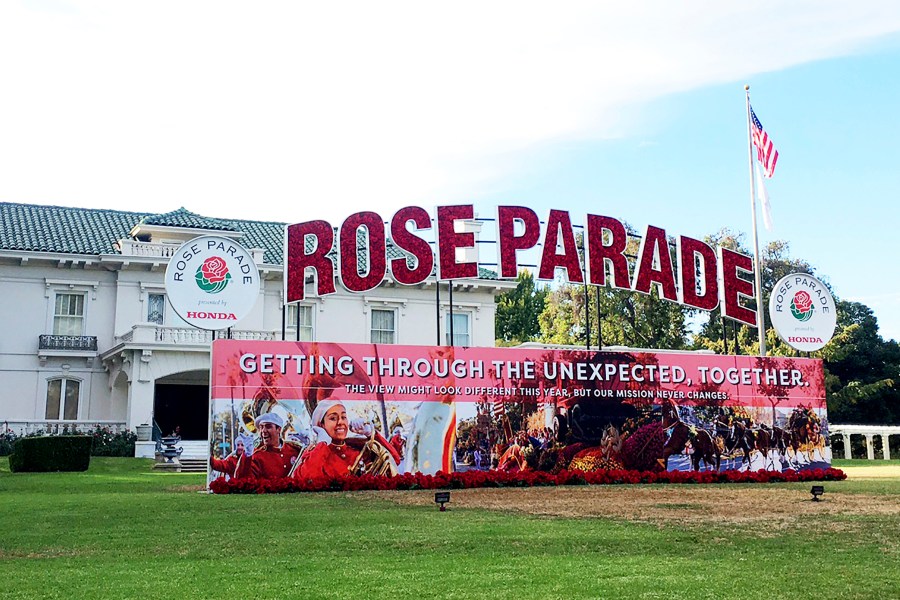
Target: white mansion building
<point>89,338</point>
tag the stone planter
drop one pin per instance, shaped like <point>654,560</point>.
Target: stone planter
<point>144,432</point>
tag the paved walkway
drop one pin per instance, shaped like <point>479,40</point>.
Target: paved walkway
<point>872,472</point>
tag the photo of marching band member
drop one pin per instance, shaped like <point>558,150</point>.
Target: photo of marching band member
<point>283,441</point>
<point>228,465</point>
<point>398,441</point>
<point>338,450</point>
<point>331,456</point>
<point>273,458</point>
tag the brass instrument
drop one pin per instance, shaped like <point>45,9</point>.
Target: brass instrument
<point>260,405</point>
<point>374,459</point>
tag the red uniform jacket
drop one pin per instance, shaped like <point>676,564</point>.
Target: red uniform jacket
<point>225,465</point>
<point>267,463</point>
<point>326,460</point>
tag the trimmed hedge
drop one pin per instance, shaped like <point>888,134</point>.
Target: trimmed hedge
<point>51,453</point>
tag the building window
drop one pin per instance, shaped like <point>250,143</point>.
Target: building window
<point>300,322</point>
<point>384,326</point>
<point>156,308</point>
<point>68,314</point>
<point>460,329</point>
<point>62,399</point>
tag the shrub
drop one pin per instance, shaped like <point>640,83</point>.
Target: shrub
<point>107,443</point>
<point>7,439</point>
<point>51,453</point>
<point>104,441</point>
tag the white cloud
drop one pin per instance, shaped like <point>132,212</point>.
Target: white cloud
<point>283,110</point>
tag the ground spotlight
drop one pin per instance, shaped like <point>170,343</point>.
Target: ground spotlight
<point>816,491</point>
<point>442,498</point>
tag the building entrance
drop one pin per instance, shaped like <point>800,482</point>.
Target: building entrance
<point>182,406</point>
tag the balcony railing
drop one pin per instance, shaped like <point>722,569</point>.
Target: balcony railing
<point>156,250</point>
<point>147,333</point>
<point>83,343</point>
<point>180,335</point>
<point>53,427</point>
<point>135,248</point>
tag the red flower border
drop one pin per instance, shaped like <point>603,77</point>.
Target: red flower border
<point>483,479</point>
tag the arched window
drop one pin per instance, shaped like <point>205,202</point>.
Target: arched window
<point>62,399</point>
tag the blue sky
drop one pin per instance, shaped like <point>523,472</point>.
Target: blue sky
<point>292,111</point>
<point>834,193</point>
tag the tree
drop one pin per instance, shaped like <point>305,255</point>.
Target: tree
<point>517,311</point>
<point>626,318</point>
<point>863,370</point>
<point>776,263</point>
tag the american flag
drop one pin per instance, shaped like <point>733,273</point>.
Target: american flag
<point>765,149</point>
<point>499,409</point>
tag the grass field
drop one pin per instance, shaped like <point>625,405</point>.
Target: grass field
<point>123,531</point>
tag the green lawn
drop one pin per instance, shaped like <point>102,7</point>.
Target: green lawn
<point>123,531</point>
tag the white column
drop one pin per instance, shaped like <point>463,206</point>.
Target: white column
<point>886,445</point>
<point>847,453</point>
<point>140,403</point>
<point>870,446</point>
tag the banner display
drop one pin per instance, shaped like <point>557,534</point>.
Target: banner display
<point>313,410</point>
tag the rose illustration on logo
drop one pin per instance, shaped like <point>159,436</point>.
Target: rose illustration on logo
<point>802,306</point>
<point>212,276</point>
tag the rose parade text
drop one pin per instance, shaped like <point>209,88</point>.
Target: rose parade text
<point>697,275</point>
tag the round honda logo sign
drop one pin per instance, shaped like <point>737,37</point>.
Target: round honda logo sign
<point>803,312</point>
<point>212,282</point>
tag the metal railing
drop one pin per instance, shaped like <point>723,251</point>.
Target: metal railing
<point>67,342</point>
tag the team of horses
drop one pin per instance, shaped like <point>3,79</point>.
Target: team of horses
<point>796,443</point>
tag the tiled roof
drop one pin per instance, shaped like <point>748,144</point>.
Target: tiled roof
<point>185,218</point>
<point>68,230</point>
<point>65,230</point>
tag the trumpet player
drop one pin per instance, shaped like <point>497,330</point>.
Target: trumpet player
<point>273,458</point>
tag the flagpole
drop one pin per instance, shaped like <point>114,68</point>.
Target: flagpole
<point>760,318</point>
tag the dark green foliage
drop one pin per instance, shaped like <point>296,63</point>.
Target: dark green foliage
<point>863,370</point>
<point>7,440</point>
<point>628,319</point>
<point>107,443</point>
<point>51,453</point>
<point>518,311</point>
<point>625,318</point>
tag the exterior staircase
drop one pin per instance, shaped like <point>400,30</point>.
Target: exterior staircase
<point>193,459</point>
<point>193,465</point>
